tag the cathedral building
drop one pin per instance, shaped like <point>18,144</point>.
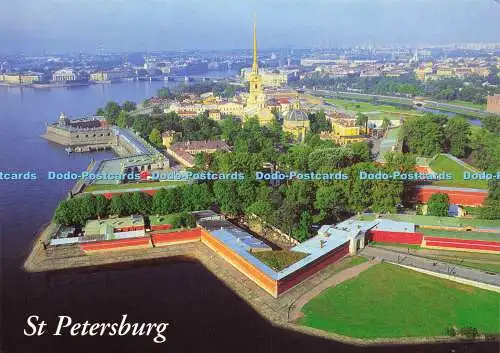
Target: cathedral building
<point>256,105</point>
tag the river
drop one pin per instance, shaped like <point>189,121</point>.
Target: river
<point>204,315</point>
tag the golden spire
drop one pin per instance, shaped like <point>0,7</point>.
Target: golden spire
<point>255,65</point>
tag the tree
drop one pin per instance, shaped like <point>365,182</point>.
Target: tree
<point>457,133</point>
<point>402,162</point>
<point>117,206</point>
<point>492,124</point>
<point>128,106</point>
<point>155,138</point>
<point>330,200</point>
<point>360,151</point>
<point>165,92</point>
<point>386,195</point>
<point>490,209</point>
<point>386,123</point>
<point>63,214</point>
<point>301,233</point>
<point>319,122</point>
<point>263,209</point>
<point>424,135</point>
<point>101,206</point>
<point>438,205</point>
<point>111,111</point>
<point>362,120</point>
<point>122,118</point>
<point>226,195</point>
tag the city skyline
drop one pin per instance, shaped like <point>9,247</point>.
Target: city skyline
<point>163,25</point>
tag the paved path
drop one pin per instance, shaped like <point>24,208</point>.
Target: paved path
<point>334,280</point>
<point>431,265</point>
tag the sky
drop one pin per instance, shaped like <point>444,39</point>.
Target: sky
<point>136,25</point>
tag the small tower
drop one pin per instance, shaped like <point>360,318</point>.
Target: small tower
<point>63,120</point>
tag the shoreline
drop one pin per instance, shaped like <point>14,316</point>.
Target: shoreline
<point>275,310</point>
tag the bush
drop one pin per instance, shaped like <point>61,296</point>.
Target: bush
<point>469,332</point>
<point>451,331</point>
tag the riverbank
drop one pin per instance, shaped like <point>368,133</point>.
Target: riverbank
<point>276,311</point>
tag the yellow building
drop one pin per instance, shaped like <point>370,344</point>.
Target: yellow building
<point>22,78</point>
<point>445,72</point>
<point>344,131</point>
<point>256,101</point>
<point>297,123</point>
<point>168,138</point>
<point>214,114</point>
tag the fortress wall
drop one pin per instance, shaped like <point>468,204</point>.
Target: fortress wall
<point>117,244</point>
<point>241,264</point>
<point>396,237</point>
<point>305,272</point>
<point>180,237</point>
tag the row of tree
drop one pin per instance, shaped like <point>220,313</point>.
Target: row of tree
<point>186,198</point>
<point>432,134</point>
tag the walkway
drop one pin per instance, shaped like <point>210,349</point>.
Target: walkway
<point>334,280</point>
<point>431,265</point>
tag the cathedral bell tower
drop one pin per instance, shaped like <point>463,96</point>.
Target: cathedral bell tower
<point>256,98</point>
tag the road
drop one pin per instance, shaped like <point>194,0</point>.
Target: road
<point>431,265</point>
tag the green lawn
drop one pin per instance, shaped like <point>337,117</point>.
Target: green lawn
<point>388,301</point>
<point>436,221</point>
<point>279,259</point>
<point>461,235</point>
<point>364,107</point>
<point>443,164</point>
<point>468,104</point>
<point>159,220</point>
<point>101,187</point>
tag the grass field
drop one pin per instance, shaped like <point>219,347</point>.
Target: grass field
<point>460,235</point>
<point>158,220</point>
<point>280,259</point>
<point>365,107</point>
<point>468,104</point>
<point>436,221</point>
<point>388,301</point>
<point>444,164</point>
<point>101,187</point>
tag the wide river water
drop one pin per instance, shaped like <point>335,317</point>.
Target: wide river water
<point>204,315</point>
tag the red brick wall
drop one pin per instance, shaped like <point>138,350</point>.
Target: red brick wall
<point>396,237</point>
<point>457,197</point>
<point>117,244</point>
<point>182,236</point>
<point>128,229</point>
<point>298,276</point>
<point>161,227</point>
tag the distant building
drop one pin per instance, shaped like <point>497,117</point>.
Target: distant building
<point>65,75</point>
<point>185,152</point>
<point>107,76</point>
<point>25,78</point>
<point>493,105</point>
<point>344,130</point>
<point>92,131</point>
